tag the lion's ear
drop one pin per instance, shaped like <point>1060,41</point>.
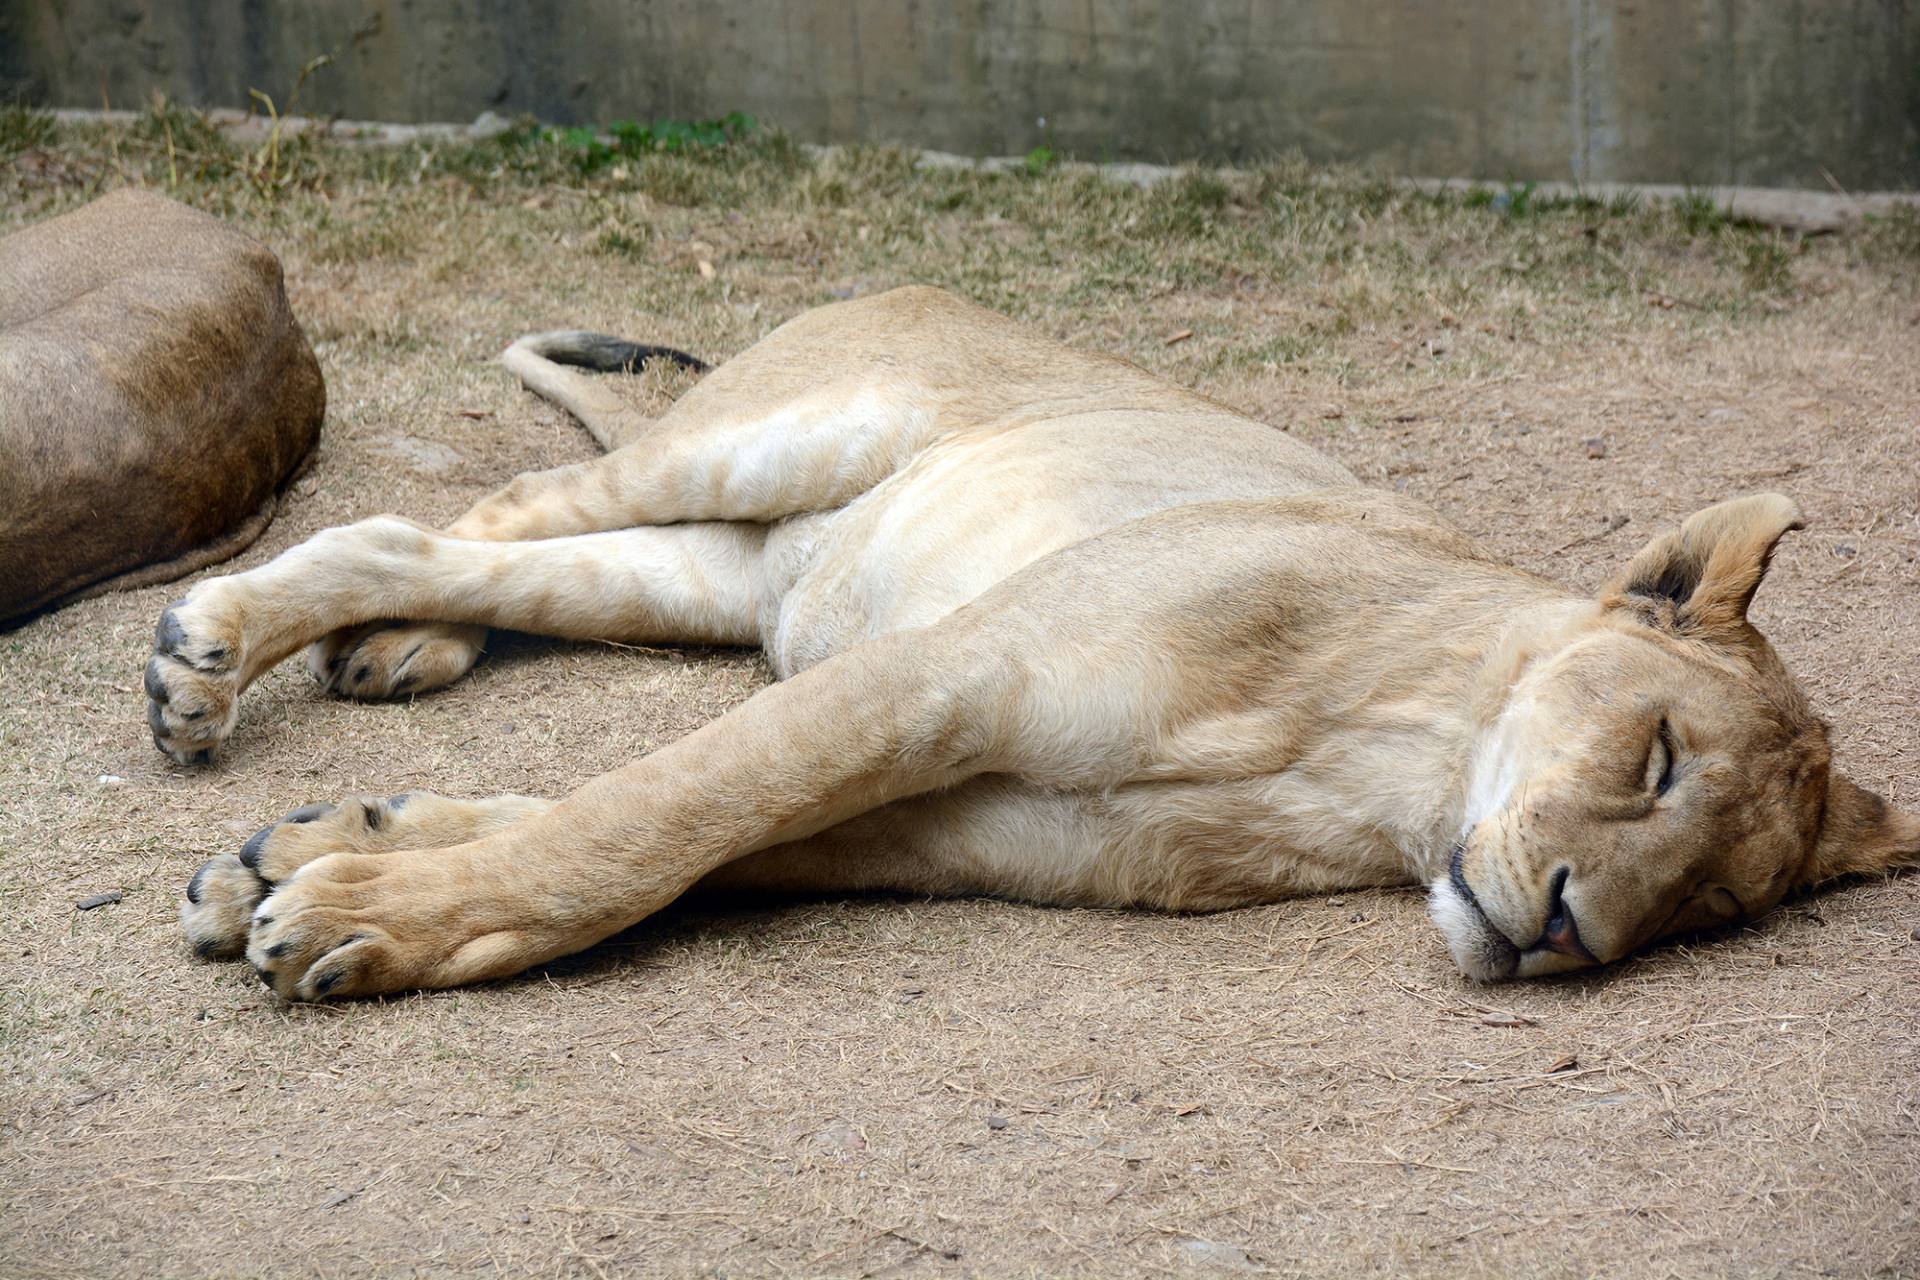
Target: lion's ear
<point>1861,835</point>
<point>1702,577</point>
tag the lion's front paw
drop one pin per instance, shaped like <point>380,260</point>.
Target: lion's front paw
<point>193,679</point>
<point>389,660</point>
<point>311,939</point>
<point>359,924</point>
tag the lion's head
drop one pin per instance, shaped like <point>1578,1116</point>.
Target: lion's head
<point>1658,775</point>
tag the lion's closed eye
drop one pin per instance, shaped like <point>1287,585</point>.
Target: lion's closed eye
<point>1662,762</point>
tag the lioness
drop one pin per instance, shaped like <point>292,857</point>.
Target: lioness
<point>155,394</point>
<point>1050,629</point>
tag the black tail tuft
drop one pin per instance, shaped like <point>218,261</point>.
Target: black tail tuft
<point>604,353</point>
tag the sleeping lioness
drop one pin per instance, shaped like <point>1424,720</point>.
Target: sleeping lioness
<point>1049,629</point>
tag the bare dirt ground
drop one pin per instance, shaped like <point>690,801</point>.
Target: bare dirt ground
<point>901,1088</point>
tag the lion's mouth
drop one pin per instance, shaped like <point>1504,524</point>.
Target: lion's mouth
<point>1480,950</point>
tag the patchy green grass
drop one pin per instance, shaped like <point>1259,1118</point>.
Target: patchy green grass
<point>597,147</point>
<point>1346,261</point>
<point>1766,264</point>
<point>23,127</point>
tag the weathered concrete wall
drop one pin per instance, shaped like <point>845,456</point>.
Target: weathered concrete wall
<point>1764,92</point>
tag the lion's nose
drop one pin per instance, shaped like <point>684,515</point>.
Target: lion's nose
<point>1562,933</point>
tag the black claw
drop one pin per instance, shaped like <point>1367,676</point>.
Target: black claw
<point>261,922</point>
<point>203,756</point>
<point>169,635</point>
<point>155,721</point>
<point>360,674</point>
<point>328,983</point>
<point>207,948</point>
<point>155,686</point>
<point>265,976</point>
<point>250,851</point>
<point>193,885</point>
<point>277,950</point>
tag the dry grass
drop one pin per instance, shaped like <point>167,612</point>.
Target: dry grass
<point>889,1088</point>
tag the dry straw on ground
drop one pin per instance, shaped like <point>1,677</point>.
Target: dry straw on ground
<point>957,1088</point>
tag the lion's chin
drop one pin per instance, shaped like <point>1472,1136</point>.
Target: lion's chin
<point>1480,951</point>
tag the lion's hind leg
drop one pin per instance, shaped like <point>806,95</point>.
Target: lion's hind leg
<point>220,899</point>
<point>694,584</point>
<point>394,659</point>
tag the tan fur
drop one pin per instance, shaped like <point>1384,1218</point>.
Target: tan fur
<point>155,394</point>
<point>1047,628</point>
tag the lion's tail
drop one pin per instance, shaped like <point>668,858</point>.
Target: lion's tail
<point>537,361</point>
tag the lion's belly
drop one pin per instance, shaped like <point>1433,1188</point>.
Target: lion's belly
<point>968,513</point>
<point>1184,847</point>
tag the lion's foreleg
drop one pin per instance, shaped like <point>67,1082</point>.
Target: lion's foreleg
<point>895,717</point>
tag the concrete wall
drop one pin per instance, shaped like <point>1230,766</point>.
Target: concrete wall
<point>1766,92</point>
